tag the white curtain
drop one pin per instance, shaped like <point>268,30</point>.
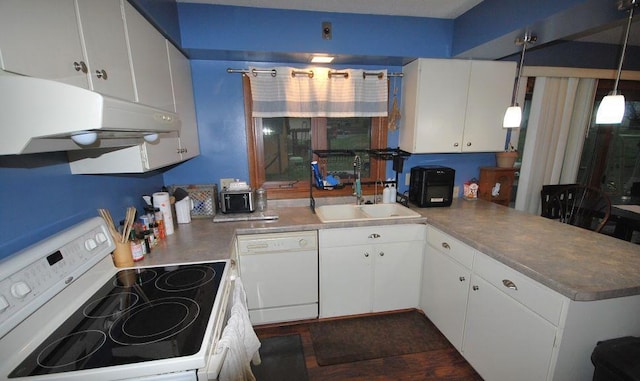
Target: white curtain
<point>558,121</point>
<point>293,92</point>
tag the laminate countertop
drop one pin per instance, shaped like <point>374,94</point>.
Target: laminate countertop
<point>577,263</point>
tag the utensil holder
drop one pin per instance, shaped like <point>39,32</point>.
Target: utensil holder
<point>122,256</point>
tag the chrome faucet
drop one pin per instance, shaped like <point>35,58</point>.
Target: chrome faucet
<point>357,168</point>
<point>375,192</point>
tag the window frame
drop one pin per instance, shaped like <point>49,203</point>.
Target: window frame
<point>300,189</point>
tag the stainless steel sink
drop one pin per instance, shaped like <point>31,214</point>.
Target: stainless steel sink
<point>344,213</point>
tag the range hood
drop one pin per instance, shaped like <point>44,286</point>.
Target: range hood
<point>39,115</point>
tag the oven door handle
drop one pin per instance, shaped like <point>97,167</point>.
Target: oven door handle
<point>219,354</point>
<point>214,366</point>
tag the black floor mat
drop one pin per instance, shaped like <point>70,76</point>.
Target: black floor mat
<point>282,360</point>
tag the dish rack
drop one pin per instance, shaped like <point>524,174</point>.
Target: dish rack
<point>204,198</point>
<point>396,155</point>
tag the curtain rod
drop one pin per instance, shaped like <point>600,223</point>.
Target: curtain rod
<point>273,73</point>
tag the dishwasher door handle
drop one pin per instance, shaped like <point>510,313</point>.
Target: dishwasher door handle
<point>253,246</point>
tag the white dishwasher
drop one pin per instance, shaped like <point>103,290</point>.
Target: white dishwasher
<point>280,275</point>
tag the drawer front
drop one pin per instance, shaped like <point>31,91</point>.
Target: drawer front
<point>450,246</point>
<point>538,298</point>
<point>366,235</point>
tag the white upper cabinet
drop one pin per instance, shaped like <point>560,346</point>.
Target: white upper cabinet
<point>455,105</point>
<point>149,61</point>
<point>105,43</point>
<point>184,102</point>
<point>81,43</point>
<point>40,38</point>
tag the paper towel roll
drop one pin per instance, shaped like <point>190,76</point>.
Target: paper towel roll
<point>161,200</point>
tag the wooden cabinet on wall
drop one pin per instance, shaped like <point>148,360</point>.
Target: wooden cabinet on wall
<point>455,105</point>
<point>489,190</point>
<point>370,269</point>
<point>88,51</point>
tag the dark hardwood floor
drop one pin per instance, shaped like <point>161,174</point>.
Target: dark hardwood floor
<point>443,364</point>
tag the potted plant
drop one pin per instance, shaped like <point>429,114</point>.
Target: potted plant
<point>507,158</point>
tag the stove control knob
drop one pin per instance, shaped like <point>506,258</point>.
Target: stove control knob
<point>302,242</point>
<point>3,303</point>
<point>90,244</point>
<point>20,289</point>
<point>101,238</point>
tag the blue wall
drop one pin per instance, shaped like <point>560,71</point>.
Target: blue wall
<point>41,197</point>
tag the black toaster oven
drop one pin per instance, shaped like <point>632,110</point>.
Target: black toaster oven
<point>431,185</point>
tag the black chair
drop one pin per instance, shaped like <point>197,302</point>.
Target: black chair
<point>581,206</point>
<point>549,210</point>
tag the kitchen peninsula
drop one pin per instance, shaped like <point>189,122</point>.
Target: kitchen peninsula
<point>580,286</point>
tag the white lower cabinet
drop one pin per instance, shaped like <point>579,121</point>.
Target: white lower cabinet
<point>370,269</point>
<point>445,285</point>
<point>503,323</point>
<point>503,339</point>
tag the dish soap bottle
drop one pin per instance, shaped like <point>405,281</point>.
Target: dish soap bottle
<point>386,194</point>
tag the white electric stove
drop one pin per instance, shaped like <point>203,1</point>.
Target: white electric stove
<point>66,313</point>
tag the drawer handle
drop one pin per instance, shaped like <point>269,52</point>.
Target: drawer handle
<point>475,288</point>
<point>366,255</point>
<point>102,74</point>
<point>462,279</point>
<point>446,245</point>
<point>374,235</point>
<point>509,284</point>
<point>381,253</point>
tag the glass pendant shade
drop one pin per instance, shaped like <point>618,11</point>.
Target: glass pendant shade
<point>512,117</point>
<point>611,110</point>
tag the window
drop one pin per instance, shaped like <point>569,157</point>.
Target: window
<point>279,150</point>
<point>611,154</point>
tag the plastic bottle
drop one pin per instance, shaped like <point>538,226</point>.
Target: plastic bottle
<point>386,195</point>
<point>393,192</point>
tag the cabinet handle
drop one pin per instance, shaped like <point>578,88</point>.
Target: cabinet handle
<point>456,144</point>
<point>475,288</point>
<point>468,144</point>
<point>80,66</point>
<point>102,74</point>
<point>462,279</point>
<point>374,235</point>
<point>446,245</point>
<point>366,255</point>
<point>509,284</point>
<point>381,253</point>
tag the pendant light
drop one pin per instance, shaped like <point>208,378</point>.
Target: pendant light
<point>611,109</point>
<point>513,115</point>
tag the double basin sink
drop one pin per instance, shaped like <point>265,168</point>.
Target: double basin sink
<point>366,212</point>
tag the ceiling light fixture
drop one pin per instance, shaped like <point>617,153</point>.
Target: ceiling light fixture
<point>611,109</point>
<point>513,115</point>
<point>321,59</point>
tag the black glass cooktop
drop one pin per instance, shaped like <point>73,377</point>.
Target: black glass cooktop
<point>139,315</point>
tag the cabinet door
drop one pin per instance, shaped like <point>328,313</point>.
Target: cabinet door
<point>149,59</point>
<point>41,38</point>
<point>503,340</point>
<point>397,275</point>
<point>106,46</point>
<point>345,280</point>
<point>445,289</point>
<point>434,96</point>
<point>184,102</point>
<point>490,89</point>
